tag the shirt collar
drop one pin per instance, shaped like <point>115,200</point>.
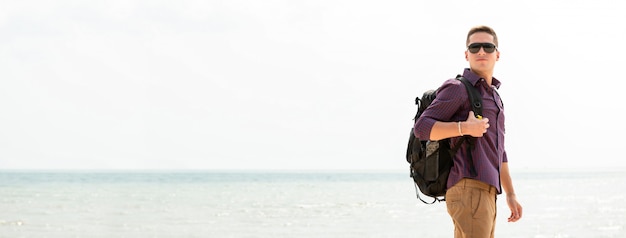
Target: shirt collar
<point>473,78</point>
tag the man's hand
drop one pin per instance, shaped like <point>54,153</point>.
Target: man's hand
<point>516,208</point>
<point>474,126</point>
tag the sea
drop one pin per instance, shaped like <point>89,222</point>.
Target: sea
<point>294,204</point>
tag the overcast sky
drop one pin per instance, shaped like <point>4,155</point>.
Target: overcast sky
<point>295,84</point>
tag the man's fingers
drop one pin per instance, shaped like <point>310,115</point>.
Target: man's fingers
<point>515,215</point>
<point>471,115</point>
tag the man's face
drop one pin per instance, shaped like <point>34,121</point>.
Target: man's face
<point>482,61</point>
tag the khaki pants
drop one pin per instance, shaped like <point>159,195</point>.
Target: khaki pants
<point>472,206</point>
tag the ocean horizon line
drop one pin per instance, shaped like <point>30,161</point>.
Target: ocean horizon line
<point>289,170</point>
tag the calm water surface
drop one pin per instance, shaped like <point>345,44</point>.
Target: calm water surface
<point>289,204</point>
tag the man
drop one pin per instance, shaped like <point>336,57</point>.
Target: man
<point>471,195</point>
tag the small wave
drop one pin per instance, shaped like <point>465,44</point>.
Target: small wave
<point>610,228</point>
<point>11,223</point>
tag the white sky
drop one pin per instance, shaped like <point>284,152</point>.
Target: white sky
<point>295,84</point>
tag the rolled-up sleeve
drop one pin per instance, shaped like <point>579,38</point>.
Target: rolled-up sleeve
<point>447,104</point>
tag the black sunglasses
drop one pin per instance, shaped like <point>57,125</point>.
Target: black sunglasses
<point>475,47</point>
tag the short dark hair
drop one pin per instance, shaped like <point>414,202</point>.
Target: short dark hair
<point>485,29</point>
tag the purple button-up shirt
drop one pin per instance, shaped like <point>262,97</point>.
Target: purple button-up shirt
<point>452,104</point>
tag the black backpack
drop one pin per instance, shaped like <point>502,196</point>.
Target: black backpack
<point>430,161</point>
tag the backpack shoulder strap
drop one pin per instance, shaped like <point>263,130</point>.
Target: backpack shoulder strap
<point>476,101</point>
<point>474,96</point>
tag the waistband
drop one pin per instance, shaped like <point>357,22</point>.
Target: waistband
<point>473,183</point>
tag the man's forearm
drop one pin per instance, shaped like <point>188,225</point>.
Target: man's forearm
<point>505,179</point>
<point>443,130</point>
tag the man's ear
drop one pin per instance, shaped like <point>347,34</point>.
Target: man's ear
<point>467,59</point>
<point>498,56</point>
